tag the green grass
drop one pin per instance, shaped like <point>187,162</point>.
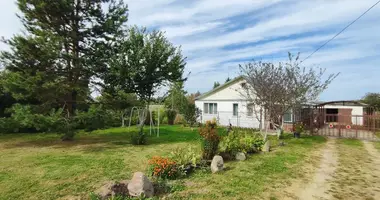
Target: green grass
<point>351,142</point>
<point>258,175</point>
<point>41,166</point>
<point>377,134</point>
<point>377,145</point>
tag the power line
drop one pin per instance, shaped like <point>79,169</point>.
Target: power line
<point>341,31</point>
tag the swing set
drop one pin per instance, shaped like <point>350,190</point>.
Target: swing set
<point>141,113</point>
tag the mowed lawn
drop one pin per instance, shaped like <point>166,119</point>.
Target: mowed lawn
<point>40,166</point>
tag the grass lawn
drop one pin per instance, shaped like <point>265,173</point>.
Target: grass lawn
<point>40,166</point>
<point>377,145</point>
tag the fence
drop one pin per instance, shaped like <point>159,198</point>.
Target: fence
<point>238,119</point>
<point>347,126</point>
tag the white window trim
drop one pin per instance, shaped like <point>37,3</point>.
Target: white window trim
<point>237,111</point>
<point>208,105</point>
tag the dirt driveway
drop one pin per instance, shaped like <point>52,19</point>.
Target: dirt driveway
<point>347,169</point>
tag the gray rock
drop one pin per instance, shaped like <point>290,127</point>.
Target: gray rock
<point>240,156</point>
<point>217,164</point>
<point>266,147</point>
<point>140,185</point>
<point>111,188</point>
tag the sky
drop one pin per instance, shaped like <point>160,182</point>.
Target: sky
<point>218,35</point>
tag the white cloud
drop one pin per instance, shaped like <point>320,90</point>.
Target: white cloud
<point>188,29</point>
<point>217,35</point>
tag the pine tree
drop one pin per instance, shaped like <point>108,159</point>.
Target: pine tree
<point>216,84</point>
<point>66,45</point>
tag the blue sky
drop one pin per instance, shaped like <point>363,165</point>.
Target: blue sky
<point>217,35</point>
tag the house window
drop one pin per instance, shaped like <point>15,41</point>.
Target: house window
<point>288,116</point>
<point>331,115</point>
<point>235,109</point>
<point>250,110</point>
<point>210,108</point>
<point>205,108</point>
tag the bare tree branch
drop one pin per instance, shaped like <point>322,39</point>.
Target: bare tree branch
<point>278,88</point>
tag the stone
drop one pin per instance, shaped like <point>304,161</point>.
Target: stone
<point>266,147</point>
<point>217,164</point>
<point>240,156</point>
<point>111,188</point>
<point>140,185</point>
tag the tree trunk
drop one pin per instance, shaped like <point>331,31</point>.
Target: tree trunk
<point>267,124</point>
<point>122,120</point>
<point>74,102</point>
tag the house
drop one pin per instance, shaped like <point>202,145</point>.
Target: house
<point>227,105</point>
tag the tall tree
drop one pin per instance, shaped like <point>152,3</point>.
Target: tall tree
<point>276,89</point>
<point>227,80</point>
<point>191,98</point>
<point>176,100</point>
<point>216,84</point>
<point>145,62</point>
<point>373,100</point>
<point>6,99</point>
<point>120,102</point>
<point>65,46</point>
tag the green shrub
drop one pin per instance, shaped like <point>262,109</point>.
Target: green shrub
<point>138,138</point>
<point>251,144</point>
<point>299,127</point>
<point>191,114</point>
<point>24,119</point>
<point>97,117</point>
<point>179,119</point>
<point>154,118</point>
<point>186,158</point>
<point>9,125</point>
<point>67,128</point>
<point>162,116</point>
<point>237,142</point>
<point>210,139</point>
<point>164,120</point>
<point>230,144</point>
<point>171,114</point>
<point>281,134</point>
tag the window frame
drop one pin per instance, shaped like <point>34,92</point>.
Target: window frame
<point>289,112</point>
<point>208,107</point>
<point>250,110</point>
<point>235,112</point>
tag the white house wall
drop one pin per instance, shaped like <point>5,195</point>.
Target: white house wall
<point>225,98</point>
<point>225,115</point>
<point>228,93</point>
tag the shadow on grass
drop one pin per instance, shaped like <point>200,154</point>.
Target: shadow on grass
<point>111,138</point>
<point>304,140</point>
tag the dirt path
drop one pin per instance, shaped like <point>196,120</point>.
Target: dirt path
<point>316,183</point>
<point>346,170</point>
<point>318,188</point>
<point>373,166</point>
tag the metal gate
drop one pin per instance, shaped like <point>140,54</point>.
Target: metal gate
<point>347,126</point>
